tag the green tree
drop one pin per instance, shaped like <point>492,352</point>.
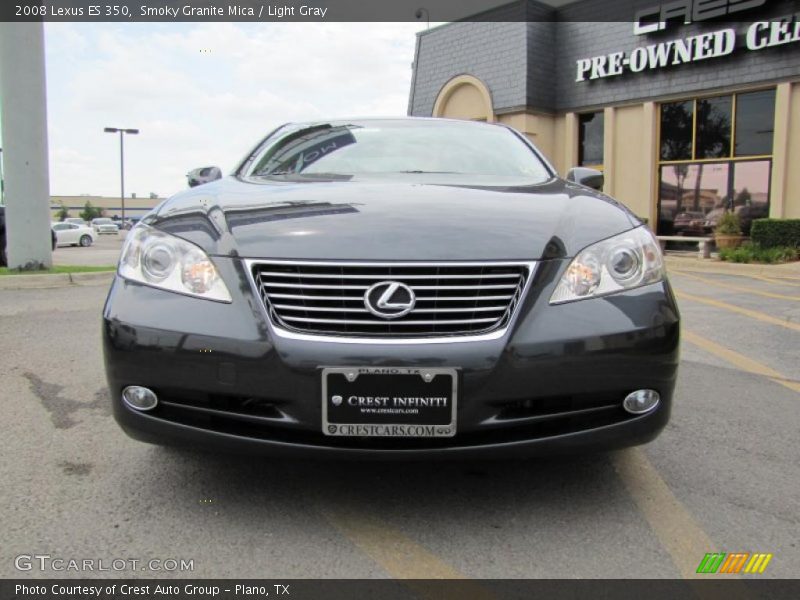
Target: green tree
<point>62,213</point>
<point>90,212</point>
<point>743,198</point>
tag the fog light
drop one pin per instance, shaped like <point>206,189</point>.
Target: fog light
<point>641,401</point>
<point>139,398</point>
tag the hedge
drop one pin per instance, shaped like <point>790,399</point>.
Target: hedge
<point>770,233</point>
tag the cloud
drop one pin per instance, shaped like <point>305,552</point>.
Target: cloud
<point>205,93</point>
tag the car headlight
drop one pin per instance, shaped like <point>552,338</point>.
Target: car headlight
<point>164,261</point>
<point>625,261</point>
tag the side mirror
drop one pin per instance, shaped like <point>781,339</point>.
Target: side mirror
<point>591,178</point>
<point>203,175</point>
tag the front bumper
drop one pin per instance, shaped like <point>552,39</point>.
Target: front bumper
<point>554,383</point>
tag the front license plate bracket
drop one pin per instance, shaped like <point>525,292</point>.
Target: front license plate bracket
<point>389,401</point>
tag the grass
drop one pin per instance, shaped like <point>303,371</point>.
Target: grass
<point>59,269</point>
<point>753,253</point>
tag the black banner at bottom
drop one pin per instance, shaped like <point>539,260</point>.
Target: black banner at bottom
<point>391,589</point>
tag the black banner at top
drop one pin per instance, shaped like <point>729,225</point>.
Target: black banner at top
<point>424,11</point>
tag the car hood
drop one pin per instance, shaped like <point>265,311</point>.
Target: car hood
<point>420,219</point>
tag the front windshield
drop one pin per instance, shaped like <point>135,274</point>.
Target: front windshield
<point>399,147</point>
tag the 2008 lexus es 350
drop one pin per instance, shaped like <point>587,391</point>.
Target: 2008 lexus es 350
<point>393,288</point>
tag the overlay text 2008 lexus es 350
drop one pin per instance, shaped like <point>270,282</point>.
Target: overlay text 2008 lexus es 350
<point>393,288</point>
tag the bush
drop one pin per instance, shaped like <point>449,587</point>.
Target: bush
<point>771,233</point>
<point>729,224</point>
<point>750,252</point>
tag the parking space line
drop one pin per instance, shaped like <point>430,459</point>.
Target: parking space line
<point>395,552</point>
<point>679,533</point>
<point>736,288</point>
<point>403,558</point>
<point>775,280</point>
<point>740,361</point>
<point>753,314</point>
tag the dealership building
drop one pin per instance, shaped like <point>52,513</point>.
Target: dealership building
<point>111,205</point>
<point>687,111</point>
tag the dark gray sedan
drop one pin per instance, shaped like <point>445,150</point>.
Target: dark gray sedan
<point>392,288</point>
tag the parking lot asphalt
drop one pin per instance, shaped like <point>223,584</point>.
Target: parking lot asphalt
<point>105,251</point>
<point>723,476</point>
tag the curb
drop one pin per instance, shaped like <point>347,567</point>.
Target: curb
<point>96,278</point>
<point>685,263</point>
<point>54,280</point>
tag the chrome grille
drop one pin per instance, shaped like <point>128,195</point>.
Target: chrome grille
<point>327,298</point>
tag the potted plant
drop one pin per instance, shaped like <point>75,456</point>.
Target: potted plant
<point>728,232</point>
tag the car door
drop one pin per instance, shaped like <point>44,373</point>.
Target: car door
<point>62,233</point>
<point>74,233</point>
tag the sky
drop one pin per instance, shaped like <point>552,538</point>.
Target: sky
<point>205,94</point>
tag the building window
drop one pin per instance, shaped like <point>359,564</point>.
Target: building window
<point>590,139</point>
<point>715,156</point>
<point>676,130</point>
<point>713,130</point>
<point>755,123</point>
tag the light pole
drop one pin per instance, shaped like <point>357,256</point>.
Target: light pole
<point>122,133</point>
<point>2,182</point>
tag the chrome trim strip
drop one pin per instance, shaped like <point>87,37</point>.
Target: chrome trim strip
<point>392,323</point>
<point>389,263</point>
<point>339,309</point>
<point>496,334</point>
<point>385,276</point>
<point>306,297</point>
<point>315,286</point>
<point>360,299</point>
<point>494,420</point>
<point>238,416</point>
<point>511,286</point>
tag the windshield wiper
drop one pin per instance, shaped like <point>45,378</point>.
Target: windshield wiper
<point>418,172</point>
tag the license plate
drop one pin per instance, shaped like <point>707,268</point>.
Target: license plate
<point>389,401</point>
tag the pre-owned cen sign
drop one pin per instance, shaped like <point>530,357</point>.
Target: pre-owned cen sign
<point>714,44</point>
<point>656,18</point>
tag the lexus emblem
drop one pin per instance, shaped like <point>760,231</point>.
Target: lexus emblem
<point>390,299</point>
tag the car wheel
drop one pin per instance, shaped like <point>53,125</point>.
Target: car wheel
<point>86,241</point>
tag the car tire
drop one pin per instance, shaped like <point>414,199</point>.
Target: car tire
<point>85,241</point>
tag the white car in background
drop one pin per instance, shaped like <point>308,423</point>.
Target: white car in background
<point>76,220</point>
<point>104,225</point>
<point>72,234</point>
